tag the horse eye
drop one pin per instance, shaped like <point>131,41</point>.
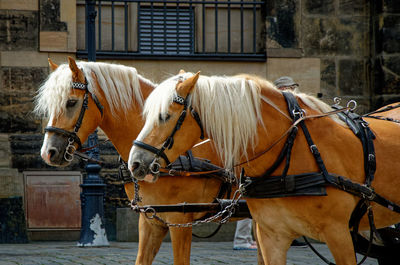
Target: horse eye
<point>164,117</point>
<point>71,103</point>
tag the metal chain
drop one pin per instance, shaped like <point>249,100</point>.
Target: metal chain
<point>137,197</point>
<point>224,214</point>
<point>124,167</point>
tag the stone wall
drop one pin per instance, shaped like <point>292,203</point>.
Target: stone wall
<point>386,52</point>
<point>356,41</point>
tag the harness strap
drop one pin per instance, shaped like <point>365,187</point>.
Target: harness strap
<point>98,104</point>
<point>169,142</point>
<point>82,113</point>
<point>307,184</point>
<point>282,154</point>
<point>387,108</point>
<point>196,117</point>
<point>158,152</point>
<point>65,133</point>
<point>296,113</point>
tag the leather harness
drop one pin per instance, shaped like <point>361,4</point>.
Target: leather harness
<point>314,183</point>
<point>169,142</point>
<point>73,136</point>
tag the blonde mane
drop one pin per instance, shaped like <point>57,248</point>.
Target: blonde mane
<point>119,83</point>
<point>229,107</point>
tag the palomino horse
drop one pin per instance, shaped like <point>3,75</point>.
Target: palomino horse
<point>119,92</point>
<point>246,116</point>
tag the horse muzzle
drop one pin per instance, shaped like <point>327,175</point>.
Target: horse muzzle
<point>142,163</point>
<point>53,151</point>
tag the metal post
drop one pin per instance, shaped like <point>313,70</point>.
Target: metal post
<point>93,232</point>
<point>91,29</point>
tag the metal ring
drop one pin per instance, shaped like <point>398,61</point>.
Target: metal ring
<point>155,167</point>
<point>151,211</point>
<point>69,150</point>
<point>68,156</point>
<point>337,100</point>
<point>350,103</point>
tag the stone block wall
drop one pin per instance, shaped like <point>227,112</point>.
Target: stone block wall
<point>356,41</point>
<point>386,52</point>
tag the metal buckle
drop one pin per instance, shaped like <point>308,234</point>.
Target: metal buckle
<point>301,113</point>
<point>69,150</point>
<point>313,148</point>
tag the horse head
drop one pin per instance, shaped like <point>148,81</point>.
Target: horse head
<point>171,126</point>
<point>69,103</point>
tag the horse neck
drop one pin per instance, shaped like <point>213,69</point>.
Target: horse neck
<point>122,128</point>
<point>302,160</point>
<point>276,126</point>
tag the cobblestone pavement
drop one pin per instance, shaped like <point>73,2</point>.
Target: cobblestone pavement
<point>203,253</point>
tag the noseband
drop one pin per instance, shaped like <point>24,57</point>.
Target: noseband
<point>73,136</point>
<point>169,142</point>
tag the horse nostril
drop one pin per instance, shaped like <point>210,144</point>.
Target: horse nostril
<point>135,165</point>
<point>52,153</point>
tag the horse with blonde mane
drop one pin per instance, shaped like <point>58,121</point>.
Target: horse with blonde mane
<point>114,102</point>
<point>248,120</point>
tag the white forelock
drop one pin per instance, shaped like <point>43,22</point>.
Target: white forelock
<point>119,83</point>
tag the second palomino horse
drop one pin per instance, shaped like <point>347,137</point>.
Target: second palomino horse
<point>252,124</point>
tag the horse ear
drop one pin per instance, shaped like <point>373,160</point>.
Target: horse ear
<point>72,65</point>
<point>76,72</point>
<point>187,85</point>
<point>52,65</point>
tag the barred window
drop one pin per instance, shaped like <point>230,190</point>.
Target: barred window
<point>165,30</point>
<point>171,29</point>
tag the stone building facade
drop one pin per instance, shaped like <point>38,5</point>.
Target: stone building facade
<point>346,48</point>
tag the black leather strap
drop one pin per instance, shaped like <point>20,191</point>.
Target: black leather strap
<point>196,117</point>
<point>169,142</point>
<point>154,150</point>
<point>66,133</point>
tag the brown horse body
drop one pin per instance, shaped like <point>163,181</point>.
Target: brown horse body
<point>280,220</point>
<point>324,218</point>
<point>167,190</point>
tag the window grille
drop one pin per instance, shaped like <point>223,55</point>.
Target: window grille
<point>177,29</point>
<point>165,30</point>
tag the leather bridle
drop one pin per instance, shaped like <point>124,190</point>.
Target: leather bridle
<point>169,142</point>
<point>73,136</point>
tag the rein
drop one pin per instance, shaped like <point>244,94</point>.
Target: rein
<point>73,136</point>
